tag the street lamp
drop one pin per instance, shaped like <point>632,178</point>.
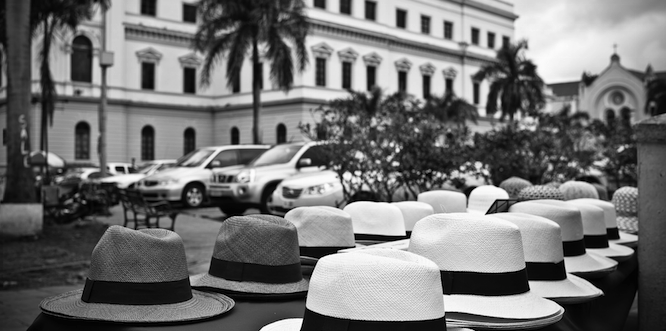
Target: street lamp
<point>105,61</point>
<point>463,47</point>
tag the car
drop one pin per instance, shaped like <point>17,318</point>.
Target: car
<point>188,180</point>
<point>149,168</point>
<point>237,189</point>
<point>309,189</point>
<point>120,168</point>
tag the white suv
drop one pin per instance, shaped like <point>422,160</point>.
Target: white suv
<point>188,180</point>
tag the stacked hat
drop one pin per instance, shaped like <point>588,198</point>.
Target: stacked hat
<point>443,201</point>
<point>544,258</point>
<point>484,279</point>
<point>576,258</point>
<point>412,212</point>
<point>538,192</point>
<point>610,215</point>
<point>625,200</point>
<point>576,189</point>
<point>376,222</point>
<point>137,277</point>
<point>602,191</point>
<point>255,257</point>
<point>482,197</point>
<point>345,294</point>
<point>514,185</point>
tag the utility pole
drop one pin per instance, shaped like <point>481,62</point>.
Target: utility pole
<point>105,61</point>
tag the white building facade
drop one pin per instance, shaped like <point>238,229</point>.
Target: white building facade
<point>157,109</point>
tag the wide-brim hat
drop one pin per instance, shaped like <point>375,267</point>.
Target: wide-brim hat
<point>412,212</point>
<point>538,192</point>
<point>625,200</point>
<point>295,324</point>
<point>138,277</point>
<point>255,257</point>
<point>513,186</point>
<point>483,271</point>
<point>574,189</point>
<point>444,201</point>
<point>376,222</point>
<point>612,229</point>
<point>544,257</point>
<point>577,259</point>
<point>482,197</point>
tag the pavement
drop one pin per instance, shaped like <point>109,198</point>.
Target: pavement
<point>197,227</point>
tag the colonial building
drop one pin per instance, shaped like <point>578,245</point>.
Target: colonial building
<point>157,109</point>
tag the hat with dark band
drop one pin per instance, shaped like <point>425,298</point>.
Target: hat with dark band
<point>412,212</point>
<point>376,222</point>
<point>625,200</point>
<point>610,216</point>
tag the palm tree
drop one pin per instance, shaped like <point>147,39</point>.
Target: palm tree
<point>656,97</point>
<point>450,108</point>
<point>231,28</point>
<point>514,82</point>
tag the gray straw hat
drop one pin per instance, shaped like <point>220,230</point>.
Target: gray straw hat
<point>538,192</point>
<point>514,185</point>
<point>138,277</point>
<point>255,257</point>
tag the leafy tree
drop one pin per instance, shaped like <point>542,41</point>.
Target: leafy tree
<point>656,97</point>
<point>450,108</point>
<point>617,153</point>
<point>514,83</point>
<point>232,28</point>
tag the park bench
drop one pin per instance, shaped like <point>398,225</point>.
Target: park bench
<point>144,213</point>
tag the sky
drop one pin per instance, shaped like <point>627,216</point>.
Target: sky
<point>568,37</point>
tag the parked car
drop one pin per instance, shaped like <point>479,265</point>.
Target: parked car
<point>120,168</point>
<point>146,169</point>
<point>188,180</point>
<point>309,189</point>
<point>234,190</point>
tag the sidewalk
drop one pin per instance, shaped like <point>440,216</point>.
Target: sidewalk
<point>198,228</point>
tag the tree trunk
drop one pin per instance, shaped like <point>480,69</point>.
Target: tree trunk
<point>256,94</point>
<point>19,185</point>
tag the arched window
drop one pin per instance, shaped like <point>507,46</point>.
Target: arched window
<point>281,133</point>
<point>235,136</point>
<point>189,140</point>
<point>610,116</point>
<point>81,60</point>
<point>82,141</point>
<point>147,143</point>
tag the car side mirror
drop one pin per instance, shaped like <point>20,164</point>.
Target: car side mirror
<point>215,164</point>
<point>304,163</point>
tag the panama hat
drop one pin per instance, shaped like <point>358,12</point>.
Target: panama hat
<point>513,185</point>
<point>321,231</point>
<point>139,277</point>
<point>538,192</point>
<point>577,259</point>
<point>602,191</point>
<point>443,201</point>
<point>542,243</point>
<point>610,216</point>
<point>483,271</point>
<point>625,200</point>
<point>482,197</point>
<point>345,294</point>
<point>255,257</point>
<point>376,221</point>
<point>576,189</point>
<point>412,212</point>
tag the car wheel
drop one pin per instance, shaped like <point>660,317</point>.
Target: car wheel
<point>193,195</point>
<point>267,198</point>
<point>233,210</point>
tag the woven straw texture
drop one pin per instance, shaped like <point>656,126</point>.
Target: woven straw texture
<point>144,256</point>
<point>538,192</point>
<point>594,224</point>
<point>378,218</point>
<point>625,200</point>
<point>590,265</point>
<point>413,211</point>
<point>514,185</point>
<point>258,239</point>
<point>573,290</point>
<point>443,201</point>
<point>320,226</point>
<point>401,244</point>
<point>567,217</point>
<point>577,189</point>
<point>376,285</point>
<point>482,197</point>
<point>609,210</point>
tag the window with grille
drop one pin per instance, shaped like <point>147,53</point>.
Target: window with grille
<point>345,7</point>
<point>506,41</point>
<point>475,36</point>
<point>147,143</point>
<point>281,133</point>
<point>320,4</point>
<point>346,75</point>
<point>448,30</point>
<point>371,72</point>
<point>426,86</point>
<point>149,7</point>
<point>402,81</point>
<point>235,136</point>
<point>425,24</point>
<point>370,10</point>
<point>477,93</point>
<point>147,75</point>
<point>82,54</point>
<point>320,72</point>
<point>491,40</point>
<point>189,80</point>
<point>449,85</point>
<point>189,140</point>
<point>189,13</point>
<point>82,141</point>
<point>401,18</point>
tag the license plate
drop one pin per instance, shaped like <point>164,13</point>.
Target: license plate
<point>287,204</point>
<point>215,193</point>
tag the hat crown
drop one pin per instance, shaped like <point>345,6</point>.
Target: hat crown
<point>322,226</point>
<point>143,256</point>
<point>443,201</point>
<point>376,285</point>
<point>594,222</point>
<point>377,218</point>
<point>625,200</point>
<point>567,217</point>
<point>577,189</point>
<point>482,197</point>
<point>413,211</point>
<point>514,185</point>
<point>469,242</point>
<point>538,192</point>
<point>542,238</point>
<point>610,216</point>
<point>258,239</point>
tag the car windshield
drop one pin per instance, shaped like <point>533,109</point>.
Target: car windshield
<point>145,168</point>
<point>195,158</point>
<point>277,155</point>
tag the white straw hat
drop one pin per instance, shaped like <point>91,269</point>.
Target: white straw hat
<point>514,185</point>
<point>542,243</point>
<point>538,192</point>
<point>576,259</point>
<point>483,271</point>
<point>376,221</point>
<point>374,290</point>
<point>610,216</point>
<point>138,277</point>
<point>482,197</point>
<point>576,189</point>
<point>625,200</point>
<point>412,212</point>
<point>443,201</point>
<point>255,257</point>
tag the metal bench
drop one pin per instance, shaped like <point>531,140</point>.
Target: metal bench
<point>143,213</point>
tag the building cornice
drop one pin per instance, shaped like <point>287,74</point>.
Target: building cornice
<point>487,8</point>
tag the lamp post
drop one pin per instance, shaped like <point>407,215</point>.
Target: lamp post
<point>463,47</point>
<point>105,61</point>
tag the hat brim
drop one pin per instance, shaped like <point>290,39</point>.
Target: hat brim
<point>628,224</point>
<point>202,306</point>
<point>490,323</point>
<point>616,252</point>
<point>626,239</point>
<point>294,324</point>
<point>589,265</point>
<point>572,290</point>
<point>208,281</point>
<point>402,244</point>
<point>523,306</point>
